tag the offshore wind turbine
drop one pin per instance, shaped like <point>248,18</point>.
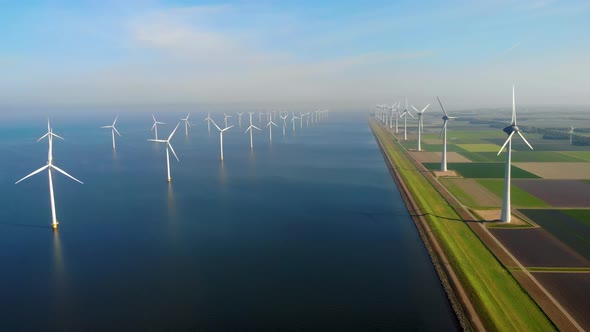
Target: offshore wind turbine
<point>301,118</point>
<point>446,118</point>
<point>506,214</point>
<point>186,124</point>
<point>270,124</point>
<point>571,132</point>
<point>225,118</point>
<point>155,125</point>
<point>168,147</point>
<point>50,166</point>
<point>221,137</point>
<point>284,122</point>
<point>240,118</point>
<point>420,123</point>
<point>405,115</point>
<point>293,118</point>
<point>208,119</point>
<point>251,130</point>
<point>113,130</point>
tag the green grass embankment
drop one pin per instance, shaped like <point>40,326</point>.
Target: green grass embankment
<point>500,301</point>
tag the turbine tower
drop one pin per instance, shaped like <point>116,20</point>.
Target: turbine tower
<point>168,147</point>
<point>571,132</point>
<point>50,166</point>
<point>446,118</point>
<point>250,128</point>
<point>113,130</point>
<point>270,124</point>
<point>186,124</point>
<point>509,130</point>
<point>221,137</point>
<point>155,125</point>
<point>208,119</point>
<point>420,124</point>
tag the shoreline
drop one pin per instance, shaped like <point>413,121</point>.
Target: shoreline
<point>456,295</point>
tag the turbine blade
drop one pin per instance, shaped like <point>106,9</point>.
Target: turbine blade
<point>157,140</point>
<point>116,118</point>
<point>55,135</point>
<point>170,137</point>
<point>115,129</point>
<point>153,126</point>
<point>42,137</point>
<point>33,173</point>
<point>507,140</point>
<point>172,149</point>
<point>442,129</point>
<point>513,107</point>
<point>524,139</point>
<point>216,126</point>
<point>441,106</point>
<point>255,127</point>
<point>66,174</point>
<point>424,109</point>
<point>106,127</point>
<point>415,109</point>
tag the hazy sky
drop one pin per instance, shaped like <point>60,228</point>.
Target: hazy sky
<point>333,53</point>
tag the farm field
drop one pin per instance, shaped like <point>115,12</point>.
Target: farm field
<point>558,170</point>
<point>566,288</point>
<point>584,155</point>
<point>520,198</point>
<point>471,193</point>
<point>536,247</point>
<point>432,157</point>
<point>557,193</point>
<point>569,226</point>
<point>484,147</point>
<point>482,170</point>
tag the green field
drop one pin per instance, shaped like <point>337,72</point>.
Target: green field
<point>519,197</point>
<point>484,147</point>
<point>571,227</point>
<point>501,302</point>
<point>584,155</point>
<point>520,156</point>
<point>483,170</point>
<point>465,198</point>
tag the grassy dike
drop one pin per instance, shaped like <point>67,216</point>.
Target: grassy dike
<point>500,302</point>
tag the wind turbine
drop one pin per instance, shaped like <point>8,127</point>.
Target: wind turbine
<point>284,122</point>
<point>221,137</point>
<point>186,124</point>
<point>113,130</point>
<point>208,119</point>
<point>420,123</point>
<point>240,118</point>
<point>571,132</point>
<point>251,129</point>
<point>405,115</point>
<point>270,124</point>
<point>50,167</point>
<point>446,118</point>
<point>301,118</point>
<point>510,130</point>
<point>293,118</point>
<point>260,117</point>
<point>168,147</point>
<point>155,125</point>
<point>307,119</point>
<point>225,118</point>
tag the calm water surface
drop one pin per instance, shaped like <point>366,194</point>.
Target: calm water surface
<point>309,233</point>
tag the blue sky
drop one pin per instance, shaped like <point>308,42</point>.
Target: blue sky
<point>279,52</point>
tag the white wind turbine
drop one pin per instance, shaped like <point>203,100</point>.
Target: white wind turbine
<point>240,118</point>
<point>168,147</point>
<point>420,124</point>
<point>50,167</point>
<point>155,125</point>
<point>446,118</point>
<point>221,137</point>
<point>307,118</point>
<point>186,124</point>
<point>113,130</point>
<point>405,115</point>
<point>571,132</point>
<point>284,117</point>
<point>260,117</point>
<point>270,124</point>
<point>293,118</point>
<point>208,119</point>
<point>301,118</point>
<point>510,130</point>
<point>225,116</point>
<point>250,128</point>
